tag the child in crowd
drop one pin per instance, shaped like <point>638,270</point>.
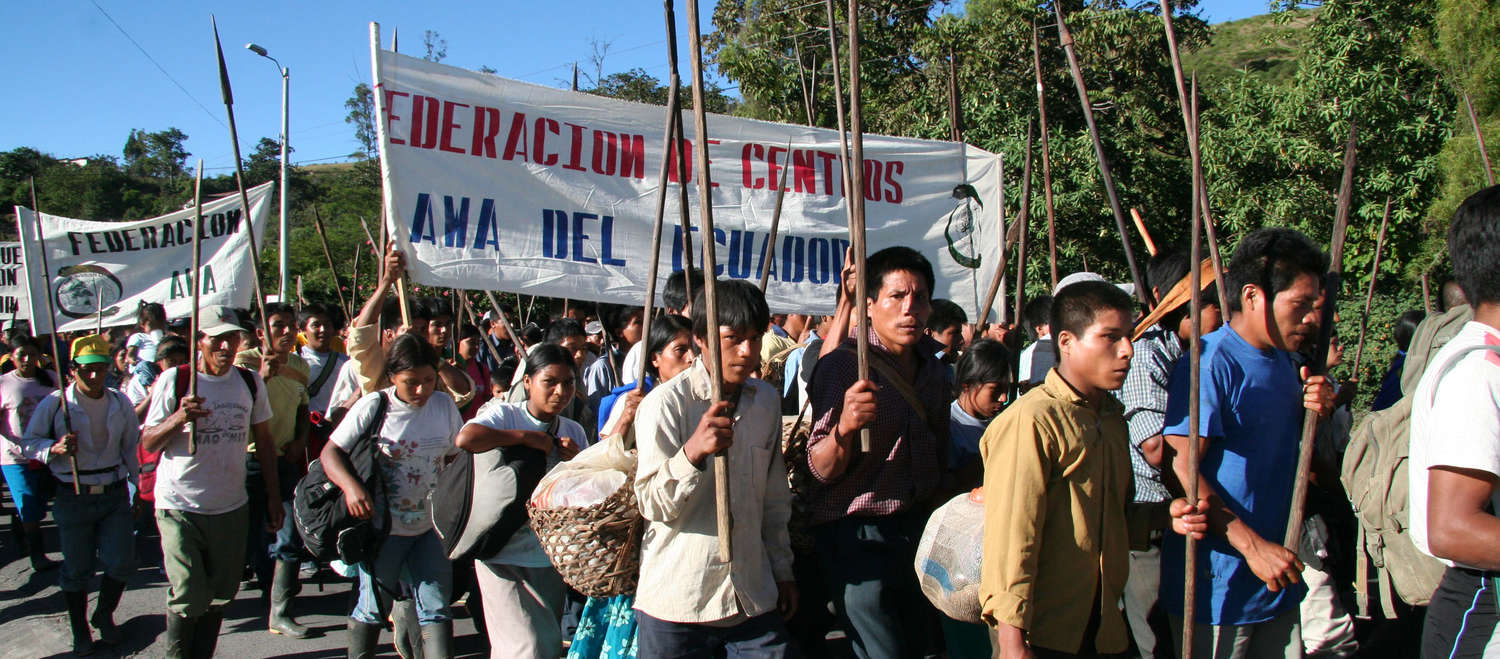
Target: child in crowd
<point>983,384</point>
<point>1038,358</point>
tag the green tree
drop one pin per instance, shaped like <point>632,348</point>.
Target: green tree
<point>160,155</point>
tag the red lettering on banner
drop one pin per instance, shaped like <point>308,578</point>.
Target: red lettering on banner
<point>539,153</point>
<point>575,149</point>
<point>390,117</point>
<point>515,141</point>
<point>895,194</point>
<point>675,170</point>
<point>424,122</point>
<point>804,178</point>
<point>756,151</point>
<point>486,128</point>
<point>446,142</point>
<point>828,159</point>
<point>606,150</point>
<point>773,170</point>
<point>633,156</point>
<point>710,165</point>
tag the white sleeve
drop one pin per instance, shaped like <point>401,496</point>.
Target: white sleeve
<point>347,432</point>
<point>260,412</point>
<point>162,404</point>
<point>1463,427</point>
<point>495,417</point>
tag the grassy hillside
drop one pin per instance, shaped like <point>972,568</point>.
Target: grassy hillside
<point>1262,45</point>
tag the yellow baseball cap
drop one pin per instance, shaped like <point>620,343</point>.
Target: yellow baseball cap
<point>91,349</point>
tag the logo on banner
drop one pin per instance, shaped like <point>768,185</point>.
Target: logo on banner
<point>85,291</point>
<point>961,220</point>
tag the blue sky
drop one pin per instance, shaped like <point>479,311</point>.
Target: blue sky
<point>78,84</point>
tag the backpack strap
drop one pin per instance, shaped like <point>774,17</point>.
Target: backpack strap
<point>323,375</point>
<point>1452,363</point>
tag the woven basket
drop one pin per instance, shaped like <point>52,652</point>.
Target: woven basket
<point>596,549</point>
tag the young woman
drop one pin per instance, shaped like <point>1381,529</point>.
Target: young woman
<point>471,361</point>
<point>607,627</point>
<point>28,480</point>
<point>522,593</point>
<point>414,442</point>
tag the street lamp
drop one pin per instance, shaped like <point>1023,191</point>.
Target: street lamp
<point>285,86</point>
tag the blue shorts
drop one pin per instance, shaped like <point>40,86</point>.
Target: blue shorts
<point>29,489</point>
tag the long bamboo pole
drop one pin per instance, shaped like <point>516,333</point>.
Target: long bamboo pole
<point>333,270</point>
<point>1364,319</point>
<point>765,264</point>
<point>710,300</point>
<point>1023,221</point>
<point>857,212</point>
<point>1141,290</point>
<point>1484,155</point>
<point>983,312</point>
<point>656,228</point>
<point>192,427</point>
<point>1195,358</point>
<point>1041,109</point>
<point>683,170</point>
<point>239,181</point>
<point>515,339</point>
<point>838,102</point>
<point>41,242</point>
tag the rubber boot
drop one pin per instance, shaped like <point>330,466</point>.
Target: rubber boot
<point>406,629</point>
<point>103,618</point>
<point>37,548</point>
<point>284,582</point>
<point>362,639</point>
<point>83,643</point>
<point>206,635</point>
<point>437,640</point>
<point>180,632</point>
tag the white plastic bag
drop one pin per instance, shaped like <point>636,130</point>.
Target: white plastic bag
<point>948,557</point>
<point>588,479</point>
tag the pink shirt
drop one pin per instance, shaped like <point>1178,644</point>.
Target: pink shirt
<point>18,397</point>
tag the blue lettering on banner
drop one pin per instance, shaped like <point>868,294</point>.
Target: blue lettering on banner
<point>791,258</point>
<point>455,224</point>
<point>487,234</point>
<point>739,254</point>
<point>607,239</point>
<point>421,220</point>
<point>579,236</point>
<point>818,262</point>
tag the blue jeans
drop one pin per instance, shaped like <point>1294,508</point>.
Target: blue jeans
<point>866,564</point>
<point>92,525</point>
<point>761,637</point>
<point>28,489</point>
<point>416,562</point>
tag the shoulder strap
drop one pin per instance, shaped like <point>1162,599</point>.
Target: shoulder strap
<point>901,385</point>
<point>323,375</point>
<point>1452,363</point>
<point>372,431</point>
<point>180,384</point>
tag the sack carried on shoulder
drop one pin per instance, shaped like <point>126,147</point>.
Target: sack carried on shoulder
<point>480,498</point>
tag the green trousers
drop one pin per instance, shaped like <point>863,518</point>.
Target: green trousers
<point>204,556</point>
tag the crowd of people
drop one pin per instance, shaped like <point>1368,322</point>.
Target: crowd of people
<point>1071,426</point>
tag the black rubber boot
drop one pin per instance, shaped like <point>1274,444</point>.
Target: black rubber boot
<point>437,640</point>
<point>83,643</point>
<point>206,634</point>
<point>180,632</point>
<point>284,586</point>
<point>37,548</point>
<point>406,629</point>
<point>103,618</point>
<point>362,639</point>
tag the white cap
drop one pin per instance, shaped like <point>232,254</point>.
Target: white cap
<point>219,319</point>
<point>1076,278</point>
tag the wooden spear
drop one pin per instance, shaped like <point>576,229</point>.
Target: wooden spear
<point>333,271</point>
<point>1426,293</point>
<point>1141,290</point>
<point>1195,355</point>
<point>656,228</point>
<point>989,297</point>
<point>1484,156</point>
<point>765,264</point>
<point>1140,225</point>
<point>515,339</point>
<point>710,300</point>
<point>1317,363</point>
<point>1024,222</point>
<point>239,181</point>
<point>680,144</point>
<point>41,241</point>
<point>856,201</point>
<point>192,427</point>
<point>1041,108</point>
<point>1364,320</point>
<point>471,318</point>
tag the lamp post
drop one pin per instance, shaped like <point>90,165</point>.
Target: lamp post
<point>285,87</point>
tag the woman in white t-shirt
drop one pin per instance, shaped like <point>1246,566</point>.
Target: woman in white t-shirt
<point>415,441</point>
<point>522,593</point>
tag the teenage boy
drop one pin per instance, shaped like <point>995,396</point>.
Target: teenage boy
<point>320,324</point>
<point>96,523</point>
<point>946,326</point>
<point>200,489</point>
<point>275,556</point>
<point>1037,358</point>
<point>379,323</point>
<point>1455,447</point>
<point>868,509</point>
<point>689,603</point>
<point>1161,339</point>
<point>1252,397</point>
<point>1057,478</point>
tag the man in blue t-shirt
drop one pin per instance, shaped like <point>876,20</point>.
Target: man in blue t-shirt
<point>1250,424</point>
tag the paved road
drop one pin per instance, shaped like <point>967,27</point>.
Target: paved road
<point>33,622</point>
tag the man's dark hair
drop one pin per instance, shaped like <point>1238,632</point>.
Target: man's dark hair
<point>390,314</point>
<point>1474,246</point>
<point>740,304</point>
<point>563,328</point>
<point>549,354</point>
<point>892,259</point>
<point>275,309</point>
<point>1036,313</point>
<point>331,314</point>
<point>171,346</point>
<point>1167,268</point>
<point>437,308</point>
<point>985,361</point>
<point>420,309</point>
<point>1272,259</point>
<point>407,352</point>
<point>664,328</point>
<point>616,317</point>
<point>674,296</point>
<point>532,334</point>
<point>503,375</point>
<point>1076,305</point>
<point>945,314</point>
<point>1406,327</point>
<point>467,331</point>
<point>1452,295</point>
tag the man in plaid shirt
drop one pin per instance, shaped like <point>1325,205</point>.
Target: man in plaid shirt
<point>1161,339</point>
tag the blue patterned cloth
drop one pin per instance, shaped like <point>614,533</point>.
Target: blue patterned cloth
<point>606,630</point>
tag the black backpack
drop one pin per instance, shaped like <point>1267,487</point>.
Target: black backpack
<point>323,521</point>
<point>477,527</point>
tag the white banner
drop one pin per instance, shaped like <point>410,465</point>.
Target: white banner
<point>15,304</point>
<point>503,185</point>
<point>108,268</point>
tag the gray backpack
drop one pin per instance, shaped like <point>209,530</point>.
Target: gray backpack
<point>1374,474</point>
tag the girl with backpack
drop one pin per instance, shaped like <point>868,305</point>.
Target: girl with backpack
<point>414,440</point>
<point>521,591</point>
